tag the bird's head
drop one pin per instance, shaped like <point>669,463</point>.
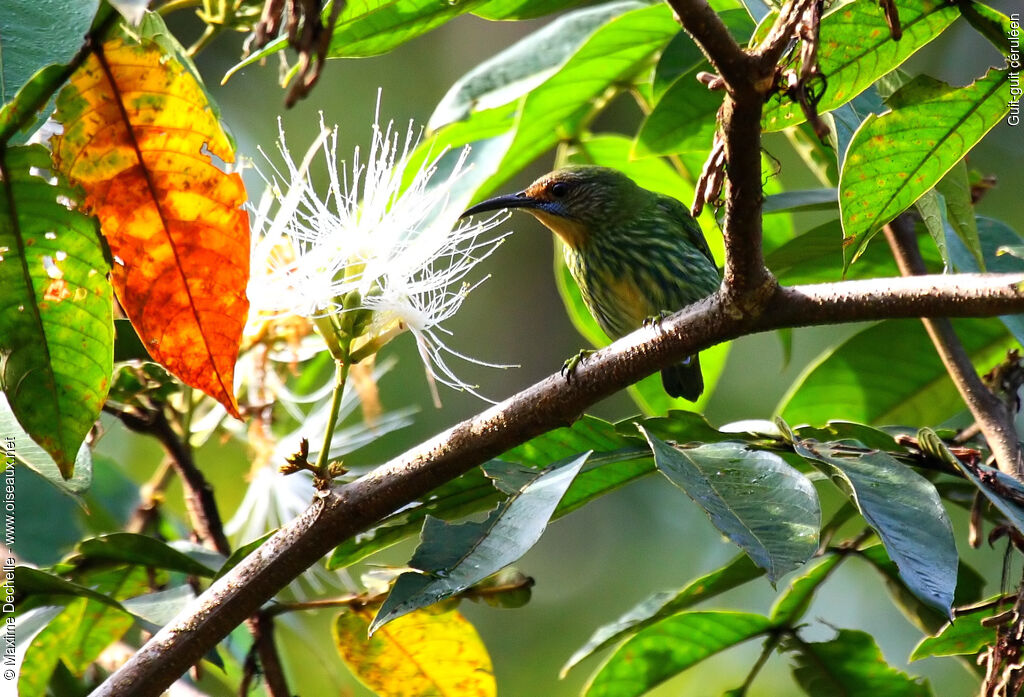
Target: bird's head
<point>573,202</point>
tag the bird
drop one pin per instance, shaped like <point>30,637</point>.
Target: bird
<point>636,255</point>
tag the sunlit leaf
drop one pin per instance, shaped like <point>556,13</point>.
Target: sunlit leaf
<point>896,157</point>
<point>855,49</point>
<point>683,118</point>
<point>423,653</point>
<point>904,509</point>
<point>454,557</point>
<point>139,133</point>
<point>560,107</point>
<point>669,647</point>
<point>850,665</point>
<point>753,497</point>
<point>666,604</point>
<point>524,65</point>
<point>56,312</point>
<point>523,9</point>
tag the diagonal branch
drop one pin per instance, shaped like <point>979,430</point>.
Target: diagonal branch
<point>540,408</point>
<point>991,414</point>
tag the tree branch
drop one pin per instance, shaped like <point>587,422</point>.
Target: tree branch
<point>546,405</point>
<point>990,412</point>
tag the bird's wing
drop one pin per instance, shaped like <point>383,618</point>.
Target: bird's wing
<point>687,224</point>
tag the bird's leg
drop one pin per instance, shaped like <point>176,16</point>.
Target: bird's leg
<point>570,365</point>
<point>656,320</point>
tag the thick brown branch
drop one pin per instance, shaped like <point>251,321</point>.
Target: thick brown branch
<point>990,413</point>
<point>540,408</point>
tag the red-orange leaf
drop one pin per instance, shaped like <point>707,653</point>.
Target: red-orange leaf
<point>138,135</point>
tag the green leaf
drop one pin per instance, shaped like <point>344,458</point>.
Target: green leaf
<point>792,604</point>
<point>669,647</point>
<point>844,121</point>
<point>100,624</point>
<point>932,209</point>
<point>926,617</point>
<point>666,604</point>
<point>154,610</point>
<point>681,427</point>
<point>17,444</point>
<point>562,106</point>
<point>56,316</point>
<point>454,557</point>
<point>753,497</point>
<point>964,637</point>
<point>681,56</point>
<point>955,189</point>
<point>618,460</point>
<point>904,509</point>
<point>887,374</point>
<point>130,548</point>
<point>523,66</point>
<point>1005,492</point>
<point>850,665</point>
<point>855,49</point>
<point>805,200</point>
<point>897,157</point>
<point>996,237</point>
<point>682,121</point>
<point>29,582</point>
<point>33,40</point>
<point>522,9</point>
<point>993,25</point>
<point>470,493</point>
<point>27,627</point>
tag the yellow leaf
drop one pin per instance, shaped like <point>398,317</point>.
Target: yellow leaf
<point>422,654</point>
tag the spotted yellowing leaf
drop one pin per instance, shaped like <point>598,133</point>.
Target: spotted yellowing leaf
<point>423,653</point>
<point>139,133</point>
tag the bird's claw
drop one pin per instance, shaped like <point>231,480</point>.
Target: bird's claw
<point>570,365</point>
<point>655,320</point>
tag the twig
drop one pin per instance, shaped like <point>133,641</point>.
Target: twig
<point>991,414</point>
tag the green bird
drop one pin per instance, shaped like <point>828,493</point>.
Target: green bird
<point>636,255</point>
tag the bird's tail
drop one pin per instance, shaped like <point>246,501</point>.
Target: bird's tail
<point>684,379</point>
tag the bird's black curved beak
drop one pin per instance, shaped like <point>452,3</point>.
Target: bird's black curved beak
<point>520,200</point>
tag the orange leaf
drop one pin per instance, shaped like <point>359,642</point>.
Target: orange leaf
<point>138,135</point>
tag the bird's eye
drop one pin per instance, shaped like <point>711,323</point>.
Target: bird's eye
<point>559,189</point>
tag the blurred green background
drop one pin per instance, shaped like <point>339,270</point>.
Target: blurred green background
<point>595,564</point>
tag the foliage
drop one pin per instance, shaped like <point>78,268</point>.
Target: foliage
<point>136,199</point>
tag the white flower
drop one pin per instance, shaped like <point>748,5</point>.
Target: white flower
<point>385,228</point>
